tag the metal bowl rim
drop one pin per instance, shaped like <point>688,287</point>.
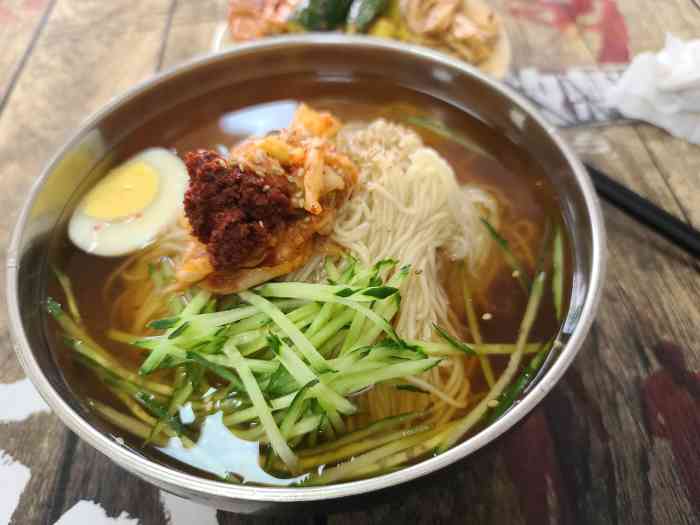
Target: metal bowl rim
<point>173,478</point>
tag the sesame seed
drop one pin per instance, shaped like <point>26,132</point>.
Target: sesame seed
<point>492,404</point>
<point>487,317</point>
<point>515,274</point>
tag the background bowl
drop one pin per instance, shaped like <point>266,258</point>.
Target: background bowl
<point>328,57</point>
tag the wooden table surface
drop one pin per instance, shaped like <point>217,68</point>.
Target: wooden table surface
<point>615,442</point>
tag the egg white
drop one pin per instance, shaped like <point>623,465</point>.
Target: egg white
<point>111,238</point>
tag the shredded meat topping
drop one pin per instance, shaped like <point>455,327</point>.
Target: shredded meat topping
<point>234,212</point>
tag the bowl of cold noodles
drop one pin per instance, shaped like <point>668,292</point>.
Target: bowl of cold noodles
<point>307,268</point>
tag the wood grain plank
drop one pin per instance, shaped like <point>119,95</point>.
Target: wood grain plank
<point>679,162</point>
<point>650,20</point>
<point>478,490</point>
<point>21,22</point>
<point>650,296</point>
<point>192,30</point>
<point>89,51</point>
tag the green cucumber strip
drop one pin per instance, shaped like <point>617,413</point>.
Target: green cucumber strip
<point>304,375</point>
<point>210,307</point>
<point>296,409</point>
<point>369,276</point>
<point>375,427</point>
<point>179,330</point>
<point>332,328</point>
<point>206,322</point>
<point>160,412</point>
<point>386,308</point>
<point>345,383</point>
<point>252,346</point>
<point>320,292</point>
<point>358,447</point>
<point>289,328</point>
<point>302,427</point>
<point>198,302</point>
<point>329,347</point>
<point>463,425</point>
<point>279,381</point>
<point>99,359</point>
<point>321,319</point>
<point>277,440</point>
<point>113,380</point>
<point>354,332</point>
<point>436,348</point>
<point>384,353</point>
<point>257,366</point>
<point>349,269</point>
<point>513,392</point>
<point>260,320</point>
<point>127,423</point>
<point>508,256</point>
<point>164,348</point>
<point>124,337</point>
<point>333,415</point>
<point>360,366</point>
<point>411,388</point>
<point>332,272</point>
<point>454,342</point>
<point>412,437</point>
<point>178,399</point>
<point>344,363</point>
<point>326,429</point>
<point>69,326</point>
<point>176,304</point>
<point>220,371</point>
<point>67,287</point>
<point>381,322</point>
<point>393,461</point>
<point>164,323</point>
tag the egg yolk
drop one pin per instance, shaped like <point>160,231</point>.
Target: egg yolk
<point>123,193</point>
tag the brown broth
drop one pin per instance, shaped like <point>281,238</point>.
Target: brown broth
<point>224,118</point>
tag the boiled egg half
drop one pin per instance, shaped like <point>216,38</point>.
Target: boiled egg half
<point>132,205</point>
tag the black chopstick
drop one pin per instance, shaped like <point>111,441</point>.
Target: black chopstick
<point>646,212</point>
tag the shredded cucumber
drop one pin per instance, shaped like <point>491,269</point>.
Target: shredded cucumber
<point>277,441</point>
<point>290,330</point>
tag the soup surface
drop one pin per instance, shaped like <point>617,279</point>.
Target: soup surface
<point>486,307</point>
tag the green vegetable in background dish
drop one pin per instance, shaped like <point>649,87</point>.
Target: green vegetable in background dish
<point>321,15</point>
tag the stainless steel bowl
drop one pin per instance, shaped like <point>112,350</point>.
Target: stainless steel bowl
<point>328,57</point>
